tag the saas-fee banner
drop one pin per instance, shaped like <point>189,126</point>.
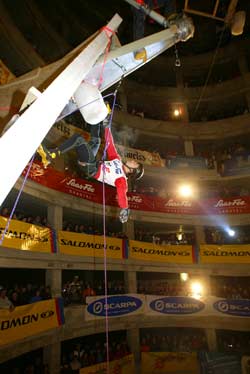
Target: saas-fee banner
<point>71,243</point>
<point>124,365</point>
<point>146,158</point>
<point>178,254</point>
<point>169,363</point>
<point>92,191</point>
<point>28,320</point>
<point>222,254</point>
<point>117,306</point>
<point>25,236</point>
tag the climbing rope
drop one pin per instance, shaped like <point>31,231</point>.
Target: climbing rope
<point>17,199</point>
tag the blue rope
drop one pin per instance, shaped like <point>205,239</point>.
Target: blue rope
<point>17,199</point>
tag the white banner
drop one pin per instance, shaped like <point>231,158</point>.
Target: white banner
<point>146,158</point>
<point>117,305</point>
<point>189,306</point>
<point>151,305</point>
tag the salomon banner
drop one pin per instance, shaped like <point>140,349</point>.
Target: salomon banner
<point>28,320</point>
<point>178,254</point>
<point>225,254</point>
<point>25,236</point>
<point>71,243</point>
<point>116,305</point>
<point>124,365</point>
<point>146,158</point>
<point>169,363</point>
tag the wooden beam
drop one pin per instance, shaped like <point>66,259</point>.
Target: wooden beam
<point>231,10</point>
<point>216,7</point>
<point>203,14</point>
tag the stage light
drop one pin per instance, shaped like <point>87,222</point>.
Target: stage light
<point>185,190</point>
<point>177,112</point>
<point>231,232</point>
<point>184,277</point>
<point>196,290</point>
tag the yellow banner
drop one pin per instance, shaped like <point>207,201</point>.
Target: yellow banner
<point>71,243</point>
<point>123,366</point>
<point>226,254</point>
<point>27,237</point>
<point>180,254</point>
<point>28,320</point>
<point>5,74</point>
<point>169,362</point>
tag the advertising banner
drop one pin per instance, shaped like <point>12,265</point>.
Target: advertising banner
<point>124,365</point>
<point>25,236</point>
<point>146,158</point>
<point>117,305</point>
<point>71,243</point>
<point>179,162</point>
<point>29,320</point>
<point>190,306</point>
<point>169,363</point>
<point>62,130</point>
<point>5,74</point>
<point>178,254</point>
<point>92,191</point>
<point>225,254</point>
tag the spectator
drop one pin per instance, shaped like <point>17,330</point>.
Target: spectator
<point>5,303</point>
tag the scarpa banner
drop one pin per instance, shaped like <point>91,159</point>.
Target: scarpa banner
<point>189,306</point>
<point>71,243</point>
<point>169,362</point>
<point>146,158</point>
<point>231,254</point>
<point>27,237</point>
<point>176,305</point>
<point>29,320</point>
<point>179,254</point>
<point>117,306</point>
<point>124,365</point>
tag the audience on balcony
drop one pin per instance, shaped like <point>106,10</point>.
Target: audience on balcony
<point>173,340</point>
<point>22,294</point>
<point>231,287</point>
<point>163,287</point>
<point>76,291</point>
<point>144,235</point>
<point>233,341</point>
<point>90,351</point>
<point>218,235</point>
<point>21,216</point>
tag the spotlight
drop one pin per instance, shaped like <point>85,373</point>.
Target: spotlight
<point>196,290</point>
<point>185,190</point>
<point>177,112</point>
<point>231,232</point>
<point>184,277</point>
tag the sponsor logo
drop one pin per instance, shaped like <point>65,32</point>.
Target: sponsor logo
<point>176,305</point>
<point>183,203</point>
<point>116,306</point>
<point>12,234</point>
<point>47,314</point>
<point>81,186</point>
<point>221,253</point>
<point>233,307</point>
<point>81,244</point>
<point>63,128</point>
<point>236,202</point>
<point>134,199</point>
<point>25,320</point>
<point>161,252</point>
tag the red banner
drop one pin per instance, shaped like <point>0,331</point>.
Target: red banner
<point>92,191</point>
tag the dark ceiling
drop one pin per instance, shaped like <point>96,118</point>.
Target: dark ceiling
<point>52,28</point>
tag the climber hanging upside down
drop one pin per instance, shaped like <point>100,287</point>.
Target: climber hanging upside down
<point>113,171</point>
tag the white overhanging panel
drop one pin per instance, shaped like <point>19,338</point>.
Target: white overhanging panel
<point>20,142</point>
